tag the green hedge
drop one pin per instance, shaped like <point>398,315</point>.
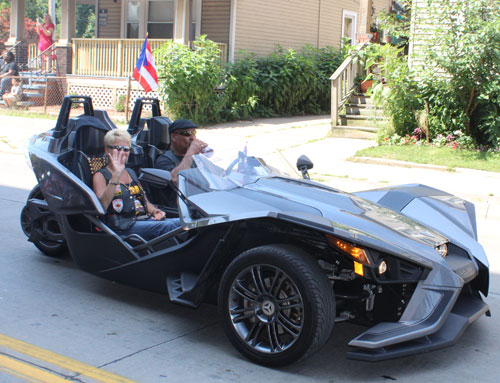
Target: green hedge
<point>286,82</point>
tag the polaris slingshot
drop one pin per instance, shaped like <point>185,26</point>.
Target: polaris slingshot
<point>285,258</point>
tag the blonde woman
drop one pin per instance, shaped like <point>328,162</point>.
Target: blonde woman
<point>128,210</point>
<point>45,30</point>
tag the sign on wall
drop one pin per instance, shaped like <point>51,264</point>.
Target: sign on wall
<point>103,17</point>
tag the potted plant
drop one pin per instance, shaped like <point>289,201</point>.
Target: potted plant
<point>369,57</point>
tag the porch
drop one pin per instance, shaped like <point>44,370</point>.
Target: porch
<point>102,57</point>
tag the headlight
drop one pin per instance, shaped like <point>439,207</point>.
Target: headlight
<point>442,250</point>
<point>359,254</point>
<point>356,252</point>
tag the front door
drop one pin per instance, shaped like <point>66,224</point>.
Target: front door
<point>349,21</point>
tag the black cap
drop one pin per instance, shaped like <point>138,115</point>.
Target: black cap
<point>181,123</point>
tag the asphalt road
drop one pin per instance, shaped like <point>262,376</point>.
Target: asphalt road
<point>107,329</point>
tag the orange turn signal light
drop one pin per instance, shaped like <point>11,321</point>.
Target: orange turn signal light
<point>356,252</point>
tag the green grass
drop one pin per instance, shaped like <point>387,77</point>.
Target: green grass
<point>450,158</point>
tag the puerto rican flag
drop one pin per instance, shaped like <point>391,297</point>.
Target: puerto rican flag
<point>145,70</point>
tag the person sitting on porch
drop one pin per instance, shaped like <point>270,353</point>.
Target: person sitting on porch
<point>14,96</point>
<point>45,30</point>
<point>8,70</point>
<point>128,210</point>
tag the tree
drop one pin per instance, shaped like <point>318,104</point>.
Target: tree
<point>85,20</point>
<point>465,59</point>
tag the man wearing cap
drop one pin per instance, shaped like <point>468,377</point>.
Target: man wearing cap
<point>183,146</point>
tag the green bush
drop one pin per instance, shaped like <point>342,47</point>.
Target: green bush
<point>397,90</point>
<point>284,83</point>
<point>188,79</point>
<point>120,103</point>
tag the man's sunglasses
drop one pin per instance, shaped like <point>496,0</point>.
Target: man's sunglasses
<point>187,133</point>
<point>119,147</point>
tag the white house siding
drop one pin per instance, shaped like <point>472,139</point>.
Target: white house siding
<point>215,20</point>
<point>425,25</point>
<point>112,29</point>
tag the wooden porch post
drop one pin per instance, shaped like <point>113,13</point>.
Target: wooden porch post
<point>365,12</point>
<point>63,47</point>
<point>16,33</point>
<point>182,21</point>
<point>68,13</point>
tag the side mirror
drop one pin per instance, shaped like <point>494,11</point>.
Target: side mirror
<point>303,165</point>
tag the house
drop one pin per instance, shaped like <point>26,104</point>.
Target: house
<point>236,25</point>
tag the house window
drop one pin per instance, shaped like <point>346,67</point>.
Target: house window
<point>157,18</point>
<point>160,23</point>
<point>133,13</point>
<point>349,20</point>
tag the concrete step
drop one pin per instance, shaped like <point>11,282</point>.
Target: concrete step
<point>352,120</point>
<point>364,110</point>
<point>361,100</point>
<point>32,94</point>
<point>34,86</point>
<point>366,132</point>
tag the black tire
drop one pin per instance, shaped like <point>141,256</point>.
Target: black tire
<point>52,248</point>
<point>277,305</point>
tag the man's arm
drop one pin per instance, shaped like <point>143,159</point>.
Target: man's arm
<point>187,161</point>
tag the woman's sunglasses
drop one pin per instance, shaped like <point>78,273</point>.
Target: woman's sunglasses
<point>187,133</point>
<point>119,147</point>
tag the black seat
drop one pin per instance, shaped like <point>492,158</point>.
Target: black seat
<point>158,138</point>
<point>88,148</point>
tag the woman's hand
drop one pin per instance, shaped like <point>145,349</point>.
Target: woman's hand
<point>117,159</point>
<point>158,215</point>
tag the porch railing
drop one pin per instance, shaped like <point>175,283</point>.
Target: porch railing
<point>45,61</point>
<point>342,83</point>
<point>113,57</point>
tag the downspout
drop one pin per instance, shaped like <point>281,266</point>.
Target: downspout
<point>319,22</point>
<point>96,19</point>
<point>52,13</point>
<point>232,30</point>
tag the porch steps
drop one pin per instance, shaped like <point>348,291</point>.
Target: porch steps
<point>34,85</point>
<point>361,118</point>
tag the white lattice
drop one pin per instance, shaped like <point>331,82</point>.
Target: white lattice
<point>101,97</point>
<point>107,97</point>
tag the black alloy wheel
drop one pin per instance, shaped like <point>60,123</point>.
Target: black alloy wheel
<point>277,305</point>
<point>52,241</point>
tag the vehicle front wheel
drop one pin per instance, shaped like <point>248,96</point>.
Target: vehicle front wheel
<point>277,304</point>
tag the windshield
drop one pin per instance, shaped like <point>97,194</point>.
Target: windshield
<point>230,169</point>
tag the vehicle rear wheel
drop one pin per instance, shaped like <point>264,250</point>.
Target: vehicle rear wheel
<point>51,241</point>
<point>277,304</point>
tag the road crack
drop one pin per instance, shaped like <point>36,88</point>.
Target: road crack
<point>159,344</point>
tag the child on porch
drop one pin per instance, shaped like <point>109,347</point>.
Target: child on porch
<point>14,96</point>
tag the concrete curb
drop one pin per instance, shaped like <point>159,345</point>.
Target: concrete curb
<point>404,164</point>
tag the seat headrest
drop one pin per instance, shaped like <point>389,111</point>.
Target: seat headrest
<point>158,132</point>
<point>89,136</point>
